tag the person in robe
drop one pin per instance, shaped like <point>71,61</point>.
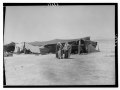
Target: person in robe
<point>67,50</point>
<point>59,52</point>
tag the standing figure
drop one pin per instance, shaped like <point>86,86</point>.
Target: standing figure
<point>59,52</point>
<point>67,50</point>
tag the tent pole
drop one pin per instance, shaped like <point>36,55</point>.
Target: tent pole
<point>79,46</point>
<point>24,48</point>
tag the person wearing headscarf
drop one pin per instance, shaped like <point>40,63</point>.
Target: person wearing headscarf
<point>67,50</point>
<point>59,53</point>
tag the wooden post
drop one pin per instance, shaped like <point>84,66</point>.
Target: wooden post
<point>24,48</point>
<point>56,52</point>
<point>79,43</point>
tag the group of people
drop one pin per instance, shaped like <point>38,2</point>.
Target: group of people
<point>63,51</point>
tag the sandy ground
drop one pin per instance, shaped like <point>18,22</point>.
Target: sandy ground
<point>96,68</point>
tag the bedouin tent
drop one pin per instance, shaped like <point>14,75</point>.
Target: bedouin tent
<point>91,48</point>
<point>18,47</point>
<point>33,49</point>
<point>21,46</point>
<point>9,47</point>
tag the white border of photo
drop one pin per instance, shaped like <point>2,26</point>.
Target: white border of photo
<point>50,1</point>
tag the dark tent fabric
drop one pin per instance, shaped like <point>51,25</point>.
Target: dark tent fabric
<point>44,51</point>
<point>9,47</point>
<point>91,48</point>
<point>55,41</point>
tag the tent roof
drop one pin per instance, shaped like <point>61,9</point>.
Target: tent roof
<point>36,43</point>
<point>10,44</point>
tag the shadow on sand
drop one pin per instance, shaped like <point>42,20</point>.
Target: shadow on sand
<point>68,58</point>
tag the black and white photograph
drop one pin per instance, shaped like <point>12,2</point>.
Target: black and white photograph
<point>60,44</point>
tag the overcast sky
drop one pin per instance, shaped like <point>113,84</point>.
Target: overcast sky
<point>41,23</point>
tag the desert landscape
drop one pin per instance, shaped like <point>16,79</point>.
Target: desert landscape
<point>96,68</point>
